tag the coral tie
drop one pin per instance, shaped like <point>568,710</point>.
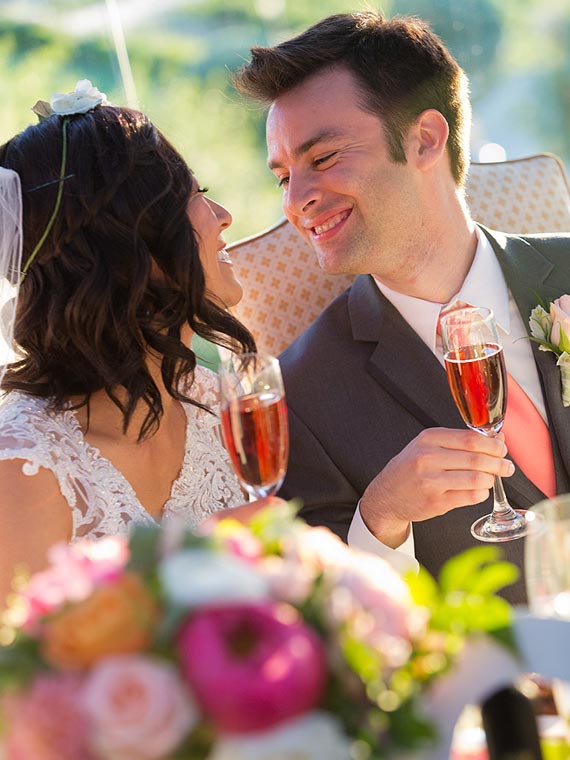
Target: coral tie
<point>528,439</point>
<point>526,433</point>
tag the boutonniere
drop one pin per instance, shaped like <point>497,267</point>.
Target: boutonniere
<point>552,331</point>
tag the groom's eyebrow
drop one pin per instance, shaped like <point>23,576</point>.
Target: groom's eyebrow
<point>325,134</point>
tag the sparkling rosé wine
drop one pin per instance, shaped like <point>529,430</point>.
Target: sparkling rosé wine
<point>477,380</point>
<point>257,438</point>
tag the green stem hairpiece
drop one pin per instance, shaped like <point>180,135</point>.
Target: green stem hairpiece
<point>53,216</point>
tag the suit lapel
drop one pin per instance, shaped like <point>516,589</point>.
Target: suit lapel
<point>558,416</point>
<point>531,277</point>
<point>401,362</point>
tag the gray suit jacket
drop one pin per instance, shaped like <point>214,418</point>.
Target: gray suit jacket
<point>361,385</point>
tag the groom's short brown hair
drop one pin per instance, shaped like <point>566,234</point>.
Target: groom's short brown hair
<point>402,68</point>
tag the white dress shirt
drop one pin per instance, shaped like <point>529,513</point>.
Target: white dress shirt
<point>484,285</point>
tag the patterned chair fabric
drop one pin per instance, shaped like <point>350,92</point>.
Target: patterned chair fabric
<point>285,290</point>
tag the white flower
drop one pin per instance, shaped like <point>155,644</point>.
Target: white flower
<point>289,581</point>
<point>317,548</point>
<point>374,602</point>
<point>539,323</point>
<point>314,736</point>
<point>83,99</point>
<point>199,576</point>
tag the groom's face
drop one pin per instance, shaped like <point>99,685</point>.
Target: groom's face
<point>341,189</point>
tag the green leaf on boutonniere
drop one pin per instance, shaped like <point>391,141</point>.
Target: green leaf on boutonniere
<point>564,364</point>
<point>539,323</point>
<point>540,328</point>
<point>564,341</point>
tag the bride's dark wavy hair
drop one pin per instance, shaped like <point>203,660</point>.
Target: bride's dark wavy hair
<point>119,274</point>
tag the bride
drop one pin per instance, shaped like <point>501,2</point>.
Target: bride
<point>118,257</point>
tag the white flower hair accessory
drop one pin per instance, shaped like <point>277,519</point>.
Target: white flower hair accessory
<point>552,330</point>
<point>84,98</point>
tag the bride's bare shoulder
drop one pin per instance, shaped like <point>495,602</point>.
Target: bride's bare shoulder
<point>33,516</point>
<point>32,503</point>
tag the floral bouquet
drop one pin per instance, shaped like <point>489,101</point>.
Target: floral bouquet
<point>273,641</point>
<point>552,330</point>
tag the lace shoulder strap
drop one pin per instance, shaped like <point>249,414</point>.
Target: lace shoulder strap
<point>205,388</point>
<point>28,431</point>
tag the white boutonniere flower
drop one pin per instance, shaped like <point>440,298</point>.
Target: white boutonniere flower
<point>552,331</point>
<point>84,98</point>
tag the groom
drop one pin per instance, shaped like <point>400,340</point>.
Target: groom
<point>367,135</point>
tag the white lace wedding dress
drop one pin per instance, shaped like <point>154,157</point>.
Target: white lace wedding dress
<point>102,501</point>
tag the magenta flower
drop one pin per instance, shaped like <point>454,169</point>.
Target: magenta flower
<point>47,722</point>
<point>251,666</point>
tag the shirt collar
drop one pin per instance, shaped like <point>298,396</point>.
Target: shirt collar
<point>484,285</point>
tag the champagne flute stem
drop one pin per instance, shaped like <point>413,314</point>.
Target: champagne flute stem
<point>501,507</point>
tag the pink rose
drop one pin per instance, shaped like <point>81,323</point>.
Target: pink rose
<point>47,721</point>
<point>317,548</point>
<point>252,666</point>
<point>74,571</point>
<point>289,581</point>
<point>139,708</point>
<point>560,318</point>
<point>242,543</point>
<point>374,602</point>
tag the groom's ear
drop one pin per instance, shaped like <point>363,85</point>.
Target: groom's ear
<point>426,141</point>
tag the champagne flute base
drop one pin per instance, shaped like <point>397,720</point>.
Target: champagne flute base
<point>495,528</point>
<point>260,491</point>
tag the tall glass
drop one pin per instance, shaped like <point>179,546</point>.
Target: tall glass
<point>547,558</point>
<point>254,421</point>
<point>547,574</point>
<point>477,378</point>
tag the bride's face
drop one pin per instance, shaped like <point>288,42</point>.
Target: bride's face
<point>209,220</point>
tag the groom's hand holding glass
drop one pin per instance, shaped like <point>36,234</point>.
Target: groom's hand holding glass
<point>439,470</point>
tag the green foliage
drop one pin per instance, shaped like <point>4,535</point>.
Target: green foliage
<point>271,525</point>
<point>144,547</point>
<point>465,599</point>
<point>19,664</point>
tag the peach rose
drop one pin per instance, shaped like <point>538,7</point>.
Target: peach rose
<point>560,318</point>
<point>116,619</point>
<point>139,708</point>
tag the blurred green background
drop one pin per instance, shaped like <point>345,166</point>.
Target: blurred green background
<point>179,55</point>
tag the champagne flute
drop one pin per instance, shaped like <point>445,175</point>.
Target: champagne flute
<point>476,373</point>
<point>254,421</point>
